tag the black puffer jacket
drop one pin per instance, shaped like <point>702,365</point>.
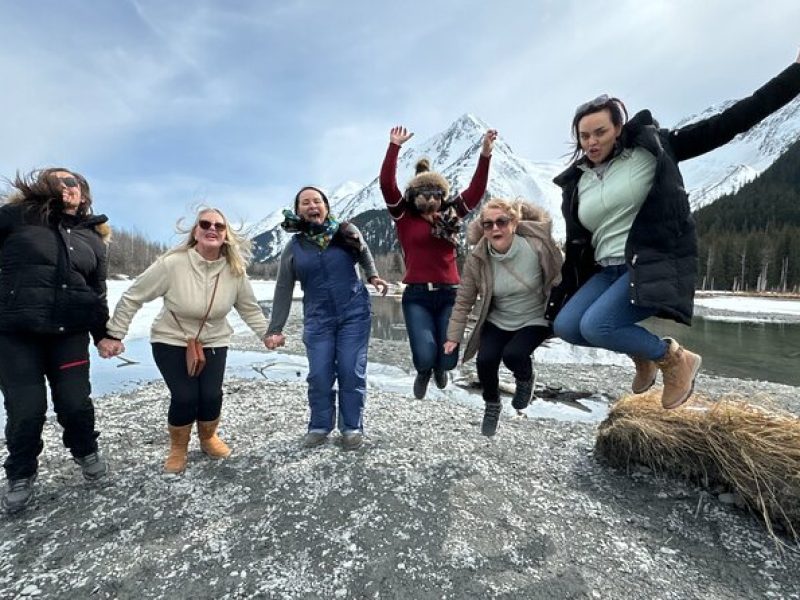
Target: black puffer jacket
<point>52,275</point>
<point>661,251</point>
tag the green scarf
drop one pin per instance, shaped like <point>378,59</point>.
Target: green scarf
<point>321,235</point>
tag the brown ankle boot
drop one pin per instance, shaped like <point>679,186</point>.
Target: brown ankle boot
<point>209,440</point>
<point>679,368</point>
<point>179,445</point>
<point>646,371</point>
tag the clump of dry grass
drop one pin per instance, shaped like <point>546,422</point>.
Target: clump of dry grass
<point>751,450</point>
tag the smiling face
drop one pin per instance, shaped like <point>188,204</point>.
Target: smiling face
<point>597,135</point>
<point>70,191</point>
<point>499,228</point>
<point>311,207</point>
<point>210,234</point>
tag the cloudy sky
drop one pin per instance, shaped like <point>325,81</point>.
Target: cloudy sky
<point>164,104</point>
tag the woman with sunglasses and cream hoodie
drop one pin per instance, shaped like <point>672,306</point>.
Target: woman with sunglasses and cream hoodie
<point>200,281</point>
<point>631,250</point>
<point>428,222</point>
<point>512,268</point>
<point>52,297</point>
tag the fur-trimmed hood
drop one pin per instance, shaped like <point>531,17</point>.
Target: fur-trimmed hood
<point>533,219</point>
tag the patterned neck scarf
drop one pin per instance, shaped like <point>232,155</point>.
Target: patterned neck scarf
<point>321,234</point>
<point>447,224</point>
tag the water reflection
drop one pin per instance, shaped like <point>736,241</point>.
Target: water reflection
<point>763,351</point>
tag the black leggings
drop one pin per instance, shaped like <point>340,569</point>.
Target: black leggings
<point>192,398</point>
<point>27,359</point>
<point>514,348</point>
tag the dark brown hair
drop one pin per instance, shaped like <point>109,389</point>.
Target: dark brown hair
<point>40,191</point>
<point>614,106</point>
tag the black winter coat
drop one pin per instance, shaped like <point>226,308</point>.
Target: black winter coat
<point>661,250</point>
<point>52,275</point>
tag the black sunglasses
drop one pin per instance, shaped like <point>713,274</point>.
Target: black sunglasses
<point>69,181</point>
<point>501,222</point>
<point>434,193</point>
<point>210,224</point>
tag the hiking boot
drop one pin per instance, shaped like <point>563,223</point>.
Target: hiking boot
<point>92,466</point>
<point>522,395</point>
<point>314,438</point>
<point>352,440</point>
<point>440,378</point>
<point>491,416</point>
<point>421,384</point>
<point>19,494</point>
<point>679,369</point>
<point>646,371</point>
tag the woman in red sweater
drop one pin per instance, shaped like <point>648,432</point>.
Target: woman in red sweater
<point>428,221</point>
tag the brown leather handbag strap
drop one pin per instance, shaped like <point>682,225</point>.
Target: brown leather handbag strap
<point>205,317</point>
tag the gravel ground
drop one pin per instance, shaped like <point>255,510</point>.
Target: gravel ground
<point>428,508</point>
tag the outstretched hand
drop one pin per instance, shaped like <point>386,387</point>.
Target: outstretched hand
<point>379,284</point>
<point>489,139</point>
<point>450,346</point>
<point>399,135</point>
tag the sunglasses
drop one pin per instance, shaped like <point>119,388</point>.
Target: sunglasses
<point>598,102</point>
<point>433,193</point>
<point>501,222</point>
<point>70,182</point>
<point>206,225</point>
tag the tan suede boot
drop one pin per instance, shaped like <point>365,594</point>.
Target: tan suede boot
<point>179,446</point>
<point>646,371</point>
<point>679,368</point>
<point>209,440</point>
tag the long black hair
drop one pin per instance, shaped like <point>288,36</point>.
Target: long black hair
<point>615,107</point>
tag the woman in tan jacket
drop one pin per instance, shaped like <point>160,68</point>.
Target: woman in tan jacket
<point>513,267</point>
<point>203,275</point>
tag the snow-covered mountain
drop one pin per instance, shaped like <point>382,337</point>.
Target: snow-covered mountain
<point>454,153</point>
<point>726,169</point>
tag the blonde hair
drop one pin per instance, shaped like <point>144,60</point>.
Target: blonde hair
<point>237,248</point>
<point>513,208</point>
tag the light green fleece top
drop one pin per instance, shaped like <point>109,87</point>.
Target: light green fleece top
<point>610,201</point>
<point>517,296</point>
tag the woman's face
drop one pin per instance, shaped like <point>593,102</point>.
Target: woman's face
<point>498,228</point>
<point>210,232</point>
<point>311,207</point>
<point>428,200</point>
<point>70,191</point>
<point>597,135</point>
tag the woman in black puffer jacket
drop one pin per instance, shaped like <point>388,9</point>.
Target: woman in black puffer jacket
<point>52,296</point>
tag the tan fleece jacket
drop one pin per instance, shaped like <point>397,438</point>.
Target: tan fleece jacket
<point>185,280</point>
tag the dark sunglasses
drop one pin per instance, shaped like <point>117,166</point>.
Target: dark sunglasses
<point>501,222</point>
<point>210,224</point>
<point>433,193</point>
<point>69,181</point>
<point>598,102</point>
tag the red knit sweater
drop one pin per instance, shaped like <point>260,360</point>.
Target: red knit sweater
<point>427,259</point>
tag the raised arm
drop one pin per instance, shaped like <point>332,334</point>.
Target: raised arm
<point>388,178</point>
<point>471,197</point>
<point>706,135</point>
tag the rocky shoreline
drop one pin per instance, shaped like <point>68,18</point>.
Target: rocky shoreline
<point>428,508</point>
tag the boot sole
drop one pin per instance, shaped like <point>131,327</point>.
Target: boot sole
<point>642,390</point>
<point>688,395</point>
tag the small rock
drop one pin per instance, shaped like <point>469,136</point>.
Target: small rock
<point>727,498</point>
<point>31,590</point>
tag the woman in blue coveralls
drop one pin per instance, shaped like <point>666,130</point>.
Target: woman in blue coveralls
<point>322,255</point>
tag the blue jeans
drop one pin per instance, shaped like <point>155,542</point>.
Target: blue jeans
<point>427,313</point>
<point>337,350</point>
<point>601,315</point>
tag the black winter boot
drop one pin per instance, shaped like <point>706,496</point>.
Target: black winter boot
<point>491,416</point>
<point>421,383</point>
<point>522,395</point>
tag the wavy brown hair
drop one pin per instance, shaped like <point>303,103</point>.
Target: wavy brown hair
<point>41,192</point>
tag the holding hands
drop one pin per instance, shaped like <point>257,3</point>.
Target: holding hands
<point>450,346</point>
<point>399,135</point>
<point>380,285</point>
<point>276,340</point>
<point>109,348</point>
